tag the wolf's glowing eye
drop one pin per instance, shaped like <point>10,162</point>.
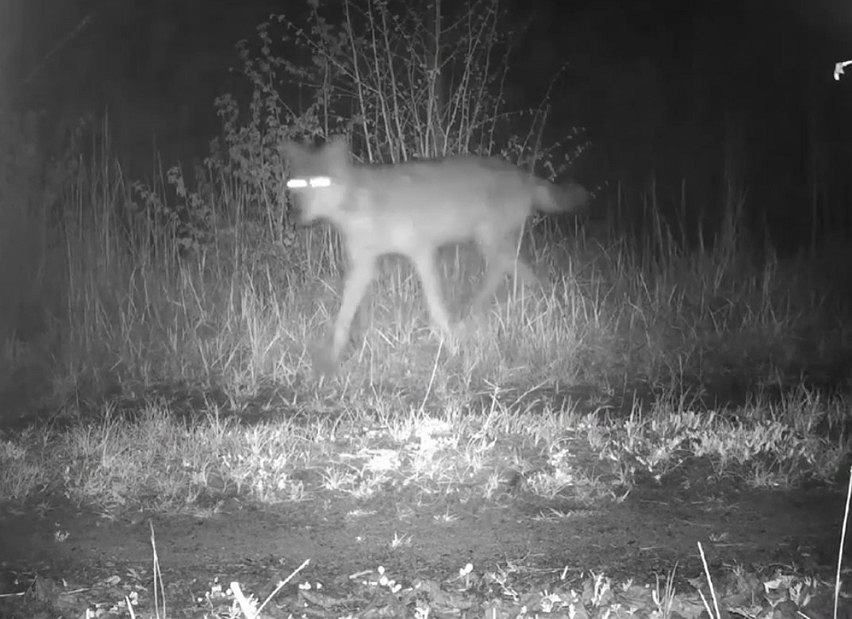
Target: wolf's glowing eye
<point>319,181</point>
<point>312,181</point>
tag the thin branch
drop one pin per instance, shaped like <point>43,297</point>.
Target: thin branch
<point>60,45</point>
<point>358,82</point>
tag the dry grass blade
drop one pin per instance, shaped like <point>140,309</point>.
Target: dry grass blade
<point>718,615</point>
<point>842,543</point>
<point>159,588</point>
<point>282,583</point>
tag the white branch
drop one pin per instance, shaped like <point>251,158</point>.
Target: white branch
<point>838,69</point>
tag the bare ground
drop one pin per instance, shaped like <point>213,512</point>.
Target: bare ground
<point>650,532</point>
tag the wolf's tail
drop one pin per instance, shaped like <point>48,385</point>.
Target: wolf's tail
<point>563,198</point>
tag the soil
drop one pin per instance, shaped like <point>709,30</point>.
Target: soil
<point>647,534</point>
<point>526,541</point>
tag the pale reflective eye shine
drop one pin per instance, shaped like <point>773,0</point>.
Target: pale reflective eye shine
<point>297,183</point>
<point>311,181</point>
<point>319,181</point>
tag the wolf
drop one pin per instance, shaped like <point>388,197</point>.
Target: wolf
<point>414,208</point>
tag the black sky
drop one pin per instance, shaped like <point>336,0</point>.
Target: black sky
<point>663,87</point>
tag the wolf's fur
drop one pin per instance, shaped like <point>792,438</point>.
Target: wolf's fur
<point>414,208</point>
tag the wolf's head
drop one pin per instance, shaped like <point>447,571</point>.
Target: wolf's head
<point>318,178</point>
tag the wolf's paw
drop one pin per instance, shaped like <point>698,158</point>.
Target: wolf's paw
<point>451,343</point>
<point>323,361</point>
<point>454,337</point>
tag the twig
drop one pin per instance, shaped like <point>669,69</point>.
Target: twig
<point>432,378</point>
<point>158,576</point>
<point>58,47</point>
<point>839,67</point>
<point>718,615</point>
<point>282,583</point>
<point>842,536</point>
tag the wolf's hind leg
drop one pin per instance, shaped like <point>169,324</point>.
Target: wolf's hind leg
<point>424,262</point>
<point>498,266</point>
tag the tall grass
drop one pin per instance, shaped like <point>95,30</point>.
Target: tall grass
<point>240,312</point>
<point>201,281</point>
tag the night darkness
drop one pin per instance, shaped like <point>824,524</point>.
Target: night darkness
<point>183,352</point>
<point>661,88</point>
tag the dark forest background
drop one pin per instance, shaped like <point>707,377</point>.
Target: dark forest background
<point>145,237</point>
<point>668,92</point>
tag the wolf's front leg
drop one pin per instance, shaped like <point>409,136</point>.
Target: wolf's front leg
<point>357,280</point>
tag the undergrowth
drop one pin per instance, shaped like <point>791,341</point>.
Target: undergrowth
<point>201,283</point>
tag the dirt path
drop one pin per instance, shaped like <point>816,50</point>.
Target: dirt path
<point>646,534</point>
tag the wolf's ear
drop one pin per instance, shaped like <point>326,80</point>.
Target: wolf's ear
<point>337,149</point>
